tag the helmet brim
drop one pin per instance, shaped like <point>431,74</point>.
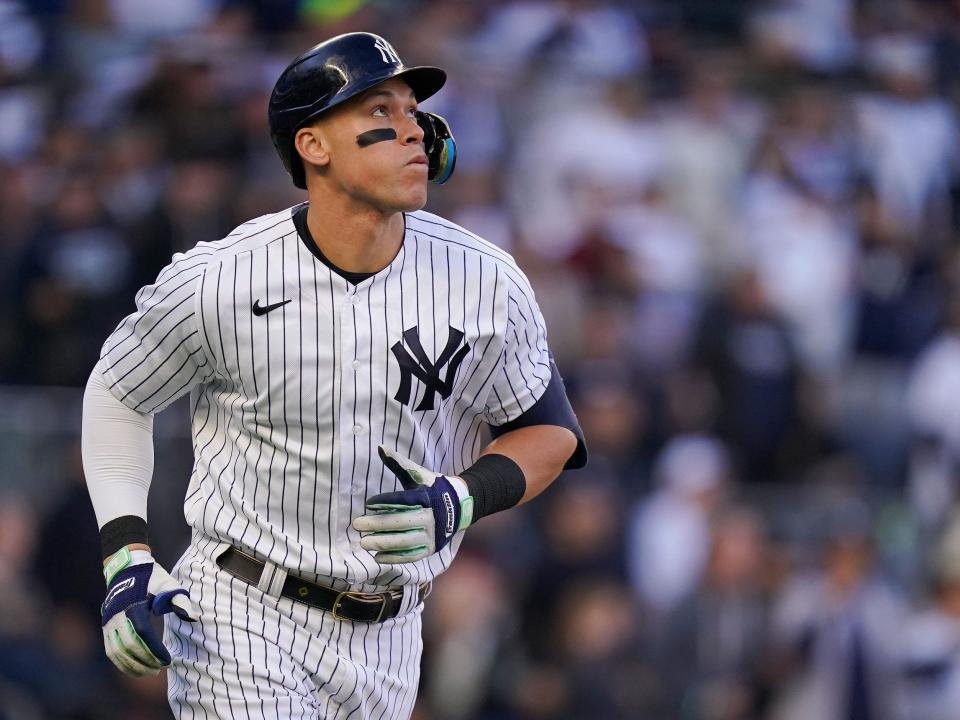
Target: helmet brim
<point>425,81</point>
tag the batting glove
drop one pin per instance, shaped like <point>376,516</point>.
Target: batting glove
<point>137,587</point>
<point>409,525</point>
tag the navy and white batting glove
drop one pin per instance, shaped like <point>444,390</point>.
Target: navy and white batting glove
<point>421,519</point>
<point>137,587</point>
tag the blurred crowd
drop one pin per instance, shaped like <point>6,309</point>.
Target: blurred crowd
<point>741,219</point>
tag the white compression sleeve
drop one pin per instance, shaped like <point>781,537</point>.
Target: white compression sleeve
<point>117,445</point>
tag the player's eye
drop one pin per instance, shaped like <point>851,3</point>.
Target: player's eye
<point>380,111</point>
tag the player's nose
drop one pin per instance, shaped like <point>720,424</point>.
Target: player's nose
<point>411,132</point>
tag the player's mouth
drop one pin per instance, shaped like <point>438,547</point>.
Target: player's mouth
<point>419,160</point>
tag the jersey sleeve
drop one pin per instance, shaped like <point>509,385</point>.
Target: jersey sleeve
<point>156,354</point>
<point>524,371</point>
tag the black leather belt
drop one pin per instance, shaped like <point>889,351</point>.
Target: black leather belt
<point>345,605</point>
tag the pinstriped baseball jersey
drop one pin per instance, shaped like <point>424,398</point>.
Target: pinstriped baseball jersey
<point>296,375</point>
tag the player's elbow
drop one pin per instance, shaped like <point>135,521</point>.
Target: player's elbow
<point>555,446</point>
<point>541,451</point>
<point>565,444</point>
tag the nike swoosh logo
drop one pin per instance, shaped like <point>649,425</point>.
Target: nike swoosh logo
<point>259,309</point>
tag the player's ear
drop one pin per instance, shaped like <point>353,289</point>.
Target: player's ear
<point>312,145</point>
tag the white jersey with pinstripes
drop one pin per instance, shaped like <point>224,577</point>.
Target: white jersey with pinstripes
<point>288,406</point>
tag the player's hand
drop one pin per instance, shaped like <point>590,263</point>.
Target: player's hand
<point>418,521</point>
<point>137,587</point>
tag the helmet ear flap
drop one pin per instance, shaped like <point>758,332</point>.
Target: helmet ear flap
<point>439,145</point>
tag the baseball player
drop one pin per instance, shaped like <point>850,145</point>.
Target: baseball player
<point>344,359</point>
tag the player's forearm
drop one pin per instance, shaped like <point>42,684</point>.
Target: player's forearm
<point>117,446</point>
<point>541,452</point>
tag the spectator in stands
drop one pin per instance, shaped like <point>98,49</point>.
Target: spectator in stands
<point>932,397</point>
<point>668,538</point>
<point>747,351</point>
<point>73,276</point>
<point>713,652</point>
<point>836,629</point>
<point>467,668</point>
<point>931,639</point>
<point>908,137</point>
<point>709,137</point>
<point>797,207</point>
<point>597,668</point>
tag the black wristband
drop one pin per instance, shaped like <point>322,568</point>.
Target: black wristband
<point>122,531</point>
<point>496,483</point>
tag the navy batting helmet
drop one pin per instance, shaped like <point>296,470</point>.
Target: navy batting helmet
<point>325,76</point>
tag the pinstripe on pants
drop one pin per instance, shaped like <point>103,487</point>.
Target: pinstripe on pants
<point>255,656</point>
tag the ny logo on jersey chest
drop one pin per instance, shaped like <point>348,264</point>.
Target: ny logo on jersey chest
<point>426,371</point>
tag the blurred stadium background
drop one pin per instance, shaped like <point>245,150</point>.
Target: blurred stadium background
<point>741,219</point>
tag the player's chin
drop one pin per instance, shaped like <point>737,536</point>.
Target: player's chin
<point>412,197</point>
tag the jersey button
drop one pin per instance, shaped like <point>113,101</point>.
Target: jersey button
<point>355,299</point>
<point>357,430</point>
<point>355,364</point>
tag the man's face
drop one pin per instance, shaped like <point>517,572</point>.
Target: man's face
<point>390,175</point>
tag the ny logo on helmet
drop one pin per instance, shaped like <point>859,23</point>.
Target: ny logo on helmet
<point>388,54</point>
<point>426,371</point>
